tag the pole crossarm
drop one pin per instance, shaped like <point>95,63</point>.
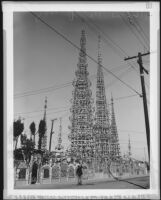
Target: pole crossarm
<point>139,60</point>
<point>129,58</point>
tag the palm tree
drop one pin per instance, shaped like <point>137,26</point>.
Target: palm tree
<point>42,130</point>
<point>33,130</point>
<point>18,127</point>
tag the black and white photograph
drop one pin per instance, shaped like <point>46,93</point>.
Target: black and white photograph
<point>80,100</point>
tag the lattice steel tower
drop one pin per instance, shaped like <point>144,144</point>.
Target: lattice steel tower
<point>129,149</point>
<point>81,110</point>
<point>114,142</point>
<point>44,139</point>
<point>59,145</point>
<point>102,125</point>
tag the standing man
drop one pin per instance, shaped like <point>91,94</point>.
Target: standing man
<point>79,173</point>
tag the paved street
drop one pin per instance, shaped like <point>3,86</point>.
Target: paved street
<point>98,184</point>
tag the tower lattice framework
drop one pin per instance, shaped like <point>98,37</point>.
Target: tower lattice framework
<point>115,146</point>
<point>81,111</point>
<point>59,145</point>
<point>44,138</point>
<point>129,149</point>
<point>102,125</point>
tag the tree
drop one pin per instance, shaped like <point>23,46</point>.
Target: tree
<point>33,130</point>
<point>18,127</point>
<point>46,157</point>
<point>23,139</point>
<point>27,149</point>
<point>18,154</point>
<point>42,130</point>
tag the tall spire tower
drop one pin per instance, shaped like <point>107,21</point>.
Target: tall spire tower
<point>44,139</point>
<point>102,126</point>
<point>81,110</point>
<point>59,146</point>
<point>115,146</point>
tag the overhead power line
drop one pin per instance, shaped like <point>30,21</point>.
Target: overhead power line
<point>97,30</point>
<point>55,108</point>
<point>49,113</point>
<point>43,90</point>
<point>134,131</point>
<point>125,97</point>
<point>133,32</point>
<point>107,39</point>
<point>142,30</point>
<point>74,45</point>
<point>115,47</point>
<point>57,87</point>
<point>120,75</point>
<point>134,23</point>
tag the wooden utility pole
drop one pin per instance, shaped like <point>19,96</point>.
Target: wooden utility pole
<point>51,133</point>
<point>142,70</point>
<point>144,155</point>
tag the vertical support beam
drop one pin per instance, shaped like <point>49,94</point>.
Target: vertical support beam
<point>144,101</point>
<point>51,133</point>
<point>142,69</point>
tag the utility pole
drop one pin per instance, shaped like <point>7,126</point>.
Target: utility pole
<point>51,133</point>
<point>144,155</point>
<point>142,70</point>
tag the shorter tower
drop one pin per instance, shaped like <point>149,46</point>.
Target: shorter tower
<point>59,145</point>
<point>114,142</point>
<point>129,148</point>
<point>44,138</point>
<point>59,149</point>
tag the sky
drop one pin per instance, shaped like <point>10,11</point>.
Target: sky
<point>45,65</point>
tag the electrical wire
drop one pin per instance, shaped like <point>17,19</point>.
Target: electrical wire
<point>98,29</point>
<point>40,91</point>
<point>57,87</point>
<point>133,22</point>
<point>106,38</point>
<point>131,131</point>
<point>142,30</point>
<point>133,32</point>
<point>70,42</point>
<point>120,75</point>
<point>54,108</point>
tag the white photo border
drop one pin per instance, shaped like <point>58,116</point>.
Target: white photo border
<point>8,9</point>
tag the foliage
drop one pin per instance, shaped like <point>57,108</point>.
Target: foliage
<point>18,128</point>
<point>18,154</point>
<point>23,139</point>
<point>33,128</point>
<point>46,158</point>
<point>42,130</point>
<point>28,149</point>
